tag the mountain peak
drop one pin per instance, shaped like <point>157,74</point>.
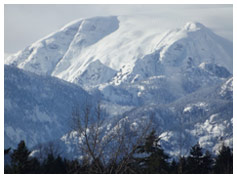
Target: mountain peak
<point>116,43</point>
<point>193,26</point>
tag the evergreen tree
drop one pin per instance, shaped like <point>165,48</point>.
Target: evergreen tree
<point>207,165</point>
<point>54,165</point>
<point>7,167</point>
<point>173,167</point>
<point>182,165</point>
<point>60,165</point>
<point>155,160</point>
<point>20,162</point>
<point>195,160</point>
<point>72,167</point>
<point>34,166</point>
<point>6,151</point>
<point>224,161</point>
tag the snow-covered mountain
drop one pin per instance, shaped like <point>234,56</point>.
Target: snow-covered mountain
<point>182,75</point>
<point>104,52</point>
<point>110,41</point>
<point>37,108</point>
<point>205,116</point>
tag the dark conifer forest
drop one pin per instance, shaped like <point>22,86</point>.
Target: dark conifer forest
<point>147,158</point>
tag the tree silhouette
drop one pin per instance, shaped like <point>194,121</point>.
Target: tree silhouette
<point>224,161</point>
<point>20,159</point>
<point>207,166</point>
<point>154,159</point>
<point>195,160</point>
<point>54,165</point>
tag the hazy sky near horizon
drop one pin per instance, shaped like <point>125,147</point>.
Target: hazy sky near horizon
<point>25,24</point>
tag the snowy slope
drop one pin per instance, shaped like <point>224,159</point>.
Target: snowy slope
<point>122,46</point>
<point>42,56</point>
<point>204,116</point>
<point>37,108</point>
<point>129,64</point>
<point>183,75</point>
<point>59,53</point>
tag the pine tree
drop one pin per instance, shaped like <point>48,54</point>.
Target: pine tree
<point>195,160</point>
<point>34,166</point>
<point>207,165</point>
<point>224,161</point>
<point>156,159</point>
<point>7,167</point>
<point>54,165</point>
<point>72,167</point>
<point>6,151</point>
<point>182,165</point>
<point>20,159</point>
<point>173,167</point>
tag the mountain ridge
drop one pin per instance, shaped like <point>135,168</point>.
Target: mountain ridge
<point>73,59</point>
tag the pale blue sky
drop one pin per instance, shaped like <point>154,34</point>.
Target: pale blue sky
<point>25,24</point>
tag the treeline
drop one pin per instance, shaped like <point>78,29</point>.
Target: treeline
<point>147,158</point>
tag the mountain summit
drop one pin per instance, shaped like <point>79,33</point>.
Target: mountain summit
<point>68,53</point>
<point>194,26</point>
